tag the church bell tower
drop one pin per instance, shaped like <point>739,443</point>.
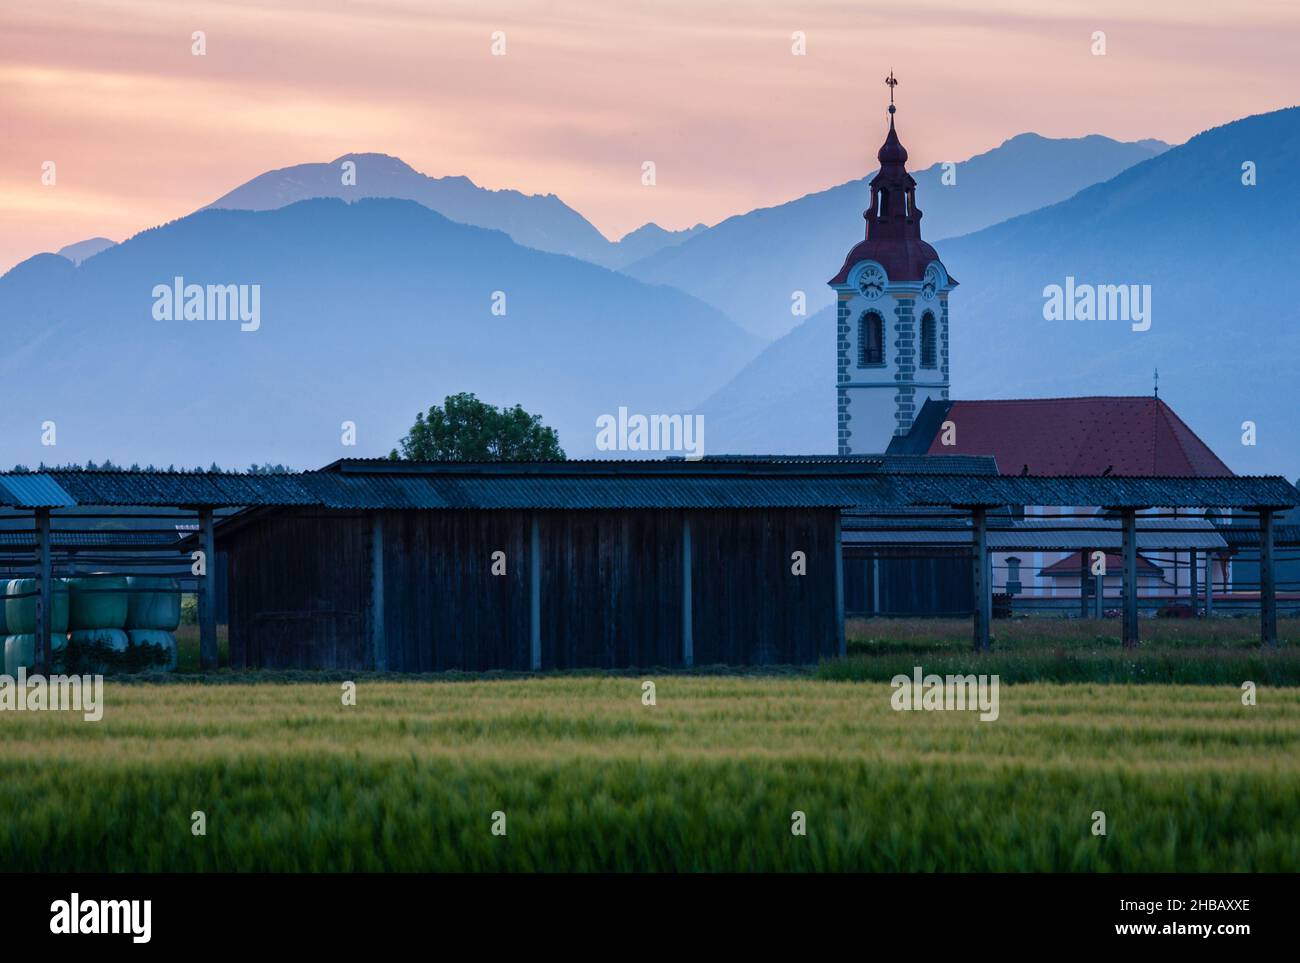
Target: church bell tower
<point>892,312</point>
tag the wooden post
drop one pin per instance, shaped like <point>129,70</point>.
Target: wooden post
<point>42,655</point>
<point>1083,583</point>
<point>207,600</point>
<point>1195,585</point>
<point>1130,579</point>
<point>378,639</point>
<point>1267,581</point>
<point>982,597</point>
<point>875,584</point>
<point>535,596</point>
<point>1099,603</point>
<point>840,641</point>
<point>688,612</point>
<point>1209,583</point>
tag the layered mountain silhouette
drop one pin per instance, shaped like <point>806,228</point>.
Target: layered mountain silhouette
<point>540,221</point>
<point>646,240</point>
<point>375,309</point>
<point>76,253</point>
<point>369,312</point>
<point>750,265</point>
<point>1224,335</point>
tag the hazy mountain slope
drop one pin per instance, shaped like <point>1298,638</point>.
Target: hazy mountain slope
<point>750,264</point>
<point>539,221</point>
<point>76,253</point>
<point>784,400</point>
<point>1224,334</point>
<point>369,312</point>
<point>534,220</point>
<point>646,240</point>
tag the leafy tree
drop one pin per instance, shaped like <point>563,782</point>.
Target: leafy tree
<point>466,429</point>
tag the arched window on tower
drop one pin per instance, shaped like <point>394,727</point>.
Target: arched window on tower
<point>871,339</point>
<point>929,341</point>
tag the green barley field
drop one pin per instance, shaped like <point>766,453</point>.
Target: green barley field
<point>589,778</point>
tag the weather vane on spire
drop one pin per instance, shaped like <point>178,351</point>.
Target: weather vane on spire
<point>1157,382</point>
<point>892,82</point>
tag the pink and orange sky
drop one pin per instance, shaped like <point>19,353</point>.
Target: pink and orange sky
<point>142,131</point>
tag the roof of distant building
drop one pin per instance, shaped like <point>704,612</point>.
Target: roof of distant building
<point>1131,436</point>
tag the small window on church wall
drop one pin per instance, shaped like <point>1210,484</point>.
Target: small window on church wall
<point>929,342</point>
<point>871,339</point>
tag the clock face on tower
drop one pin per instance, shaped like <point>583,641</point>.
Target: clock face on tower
<point>930,283</point>
<point>871,282</point>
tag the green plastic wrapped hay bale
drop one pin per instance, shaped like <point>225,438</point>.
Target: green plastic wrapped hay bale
<point>155,649</point>
<point>20,650</point>
<point>154,603</point>
<point>98,603</point>
<point>99,650</point>
<point>20,613</point>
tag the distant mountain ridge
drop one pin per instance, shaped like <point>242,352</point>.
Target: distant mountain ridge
<point>750,265</point>
<point>369,312</point>
<point>76,253</point>
<point>377,308</point>
<point>540,221</point>
<point>1224,336</point>
<point>649,239</point>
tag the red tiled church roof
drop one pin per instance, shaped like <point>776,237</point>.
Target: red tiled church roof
<point>1114,565</point>
<point>1071,436</point>
<point>893,235</point>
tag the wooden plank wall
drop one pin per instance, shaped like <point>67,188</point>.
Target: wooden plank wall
<point>937,584</point>
<point>298,592</point>
<point>858,601</point>
<point>749,607</point>
<point>443,607</point>
<point>611,589</point>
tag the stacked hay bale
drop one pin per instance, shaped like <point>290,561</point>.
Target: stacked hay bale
<point>20,624</point>
<point>153,614</point>
<point>97,618</point>
<point>125,623</point>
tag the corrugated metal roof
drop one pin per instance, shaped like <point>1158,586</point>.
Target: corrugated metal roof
<point>714,465</point>
<point>1169,534</point>
<point>941,463</point>
<point>1172,535</point>
<point>1241,536</point>
<point>92,539</point>
<point>369,492</point>
<point>1109,491</point>
<point>33,490</point>
<point>627,484</point>
<point>1182,535</point>
<point>157,489</point>
<point>915,518</point>
<point>870,538</point>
